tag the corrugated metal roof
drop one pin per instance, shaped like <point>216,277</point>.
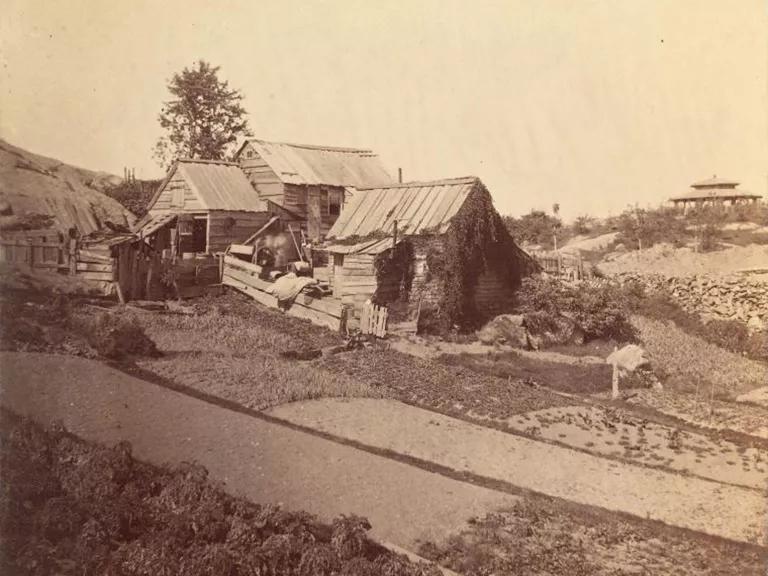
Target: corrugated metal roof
<point>417,207</point>
<point>221,185</point>
<point>372,247</point>
<point>306,164</point>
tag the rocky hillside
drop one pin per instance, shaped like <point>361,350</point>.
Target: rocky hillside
<point>36,192</point>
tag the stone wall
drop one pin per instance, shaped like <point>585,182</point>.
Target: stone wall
<point>734,297</point>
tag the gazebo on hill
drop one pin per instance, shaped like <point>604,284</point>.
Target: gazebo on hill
<point>714,191</point>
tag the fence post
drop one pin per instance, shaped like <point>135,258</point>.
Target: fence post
<point>615,379</point>
<point>72,256</point>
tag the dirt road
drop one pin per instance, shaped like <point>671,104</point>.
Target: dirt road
<point>715,508</point>
<point>262,461</point>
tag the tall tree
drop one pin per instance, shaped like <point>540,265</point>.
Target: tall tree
<point>204,118</point>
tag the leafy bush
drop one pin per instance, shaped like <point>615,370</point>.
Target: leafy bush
<point>600,308</point>
<point>640,227</point>
<point>689,363</point>
<point>116,336</point>
<point>536,227</point>
<point>134,195</point>
<point>71,508</point>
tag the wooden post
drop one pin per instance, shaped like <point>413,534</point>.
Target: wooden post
<point>72,256</point>
<point>615,380</point>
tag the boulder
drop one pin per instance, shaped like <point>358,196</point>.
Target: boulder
<point>756,323</point>
<point>545,330</point>
<point>505,329</point>
<point>628,359</point>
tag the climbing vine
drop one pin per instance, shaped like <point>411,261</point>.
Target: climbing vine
<point>394,269</point>
<point>477,240</point>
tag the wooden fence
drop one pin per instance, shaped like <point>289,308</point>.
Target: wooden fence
<point>47,250</point>
<point>373,319</point>
<point>559,264</point>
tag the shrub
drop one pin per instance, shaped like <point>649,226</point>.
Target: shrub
<point>639,227</point>
<point>98,511</point>
<point>688,362</point>
<point>600,308</point>
<point>115,336</point>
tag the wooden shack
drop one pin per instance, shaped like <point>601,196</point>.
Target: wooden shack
<point>312,182</point>
<point>418,247</point>
<point>212,202</point>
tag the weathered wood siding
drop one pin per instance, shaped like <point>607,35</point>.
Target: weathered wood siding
<point>354,280</point>
<point>222,231</point>
<point>176,196</point>
<point>312,201</point>
<point>262,177</point>
<point>492,294</point>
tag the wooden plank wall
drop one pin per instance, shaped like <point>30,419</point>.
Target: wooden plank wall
<point>355,281</point>
<point>221,234</point>
<point>176,195</point>
<point>262,177</point>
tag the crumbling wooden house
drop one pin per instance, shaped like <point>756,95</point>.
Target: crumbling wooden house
<point>312,182</point>
<point>197,212</point>
<point>435,250</point>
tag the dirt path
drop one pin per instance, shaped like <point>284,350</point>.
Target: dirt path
<point>702,505</point>
<point>262,461</point>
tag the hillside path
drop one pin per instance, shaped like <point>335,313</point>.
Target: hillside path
<point>257,459</point>
<point>702,505</point>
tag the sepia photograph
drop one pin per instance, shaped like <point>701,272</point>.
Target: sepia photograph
<point>367,288</point>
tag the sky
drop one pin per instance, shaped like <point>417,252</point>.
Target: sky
<point>591,104</point>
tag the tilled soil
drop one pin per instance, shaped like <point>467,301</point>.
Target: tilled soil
<point>449,389</point>
<point>616,433</point>
<point>701,505</point>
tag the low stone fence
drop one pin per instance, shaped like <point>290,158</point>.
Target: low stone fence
<point>733,297</point>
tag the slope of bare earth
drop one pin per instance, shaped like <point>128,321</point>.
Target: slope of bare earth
<point>667,260</point>
<point>32,184</point>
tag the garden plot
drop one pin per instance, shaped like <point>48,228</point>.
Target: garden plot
<point>742,418</point>
<point>702,505</point>
<point>614,433</point>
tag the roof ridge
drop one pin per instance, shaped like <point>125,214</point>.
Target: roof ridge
<point>316,146</point>
<point>414,183</point>
<point>204,161</point>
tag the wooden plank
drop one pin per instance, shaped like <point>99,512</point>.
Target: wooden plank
<point>365,315</point>
<point>94,256</point>
<point>330,306</point>
<point>241,249</point>
<point>248,279</point>
<point>89,267</point>
<point>99,276</point>
<point>252,268</point>
<point>315,316</point>
<point>258,295</point>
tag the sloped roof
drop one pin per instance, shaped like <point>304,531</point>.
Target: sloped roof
<point>715,182</point>
<point>417,207</point>
<point>333,166</point>
<point>219,185</point>
<point>372,247</point>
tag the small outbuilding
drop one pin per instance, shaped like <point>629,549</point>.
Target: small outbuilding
<point>203,206</point>
<point>313,182</point>
<point>714,192</point>
<point>436,253</point>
